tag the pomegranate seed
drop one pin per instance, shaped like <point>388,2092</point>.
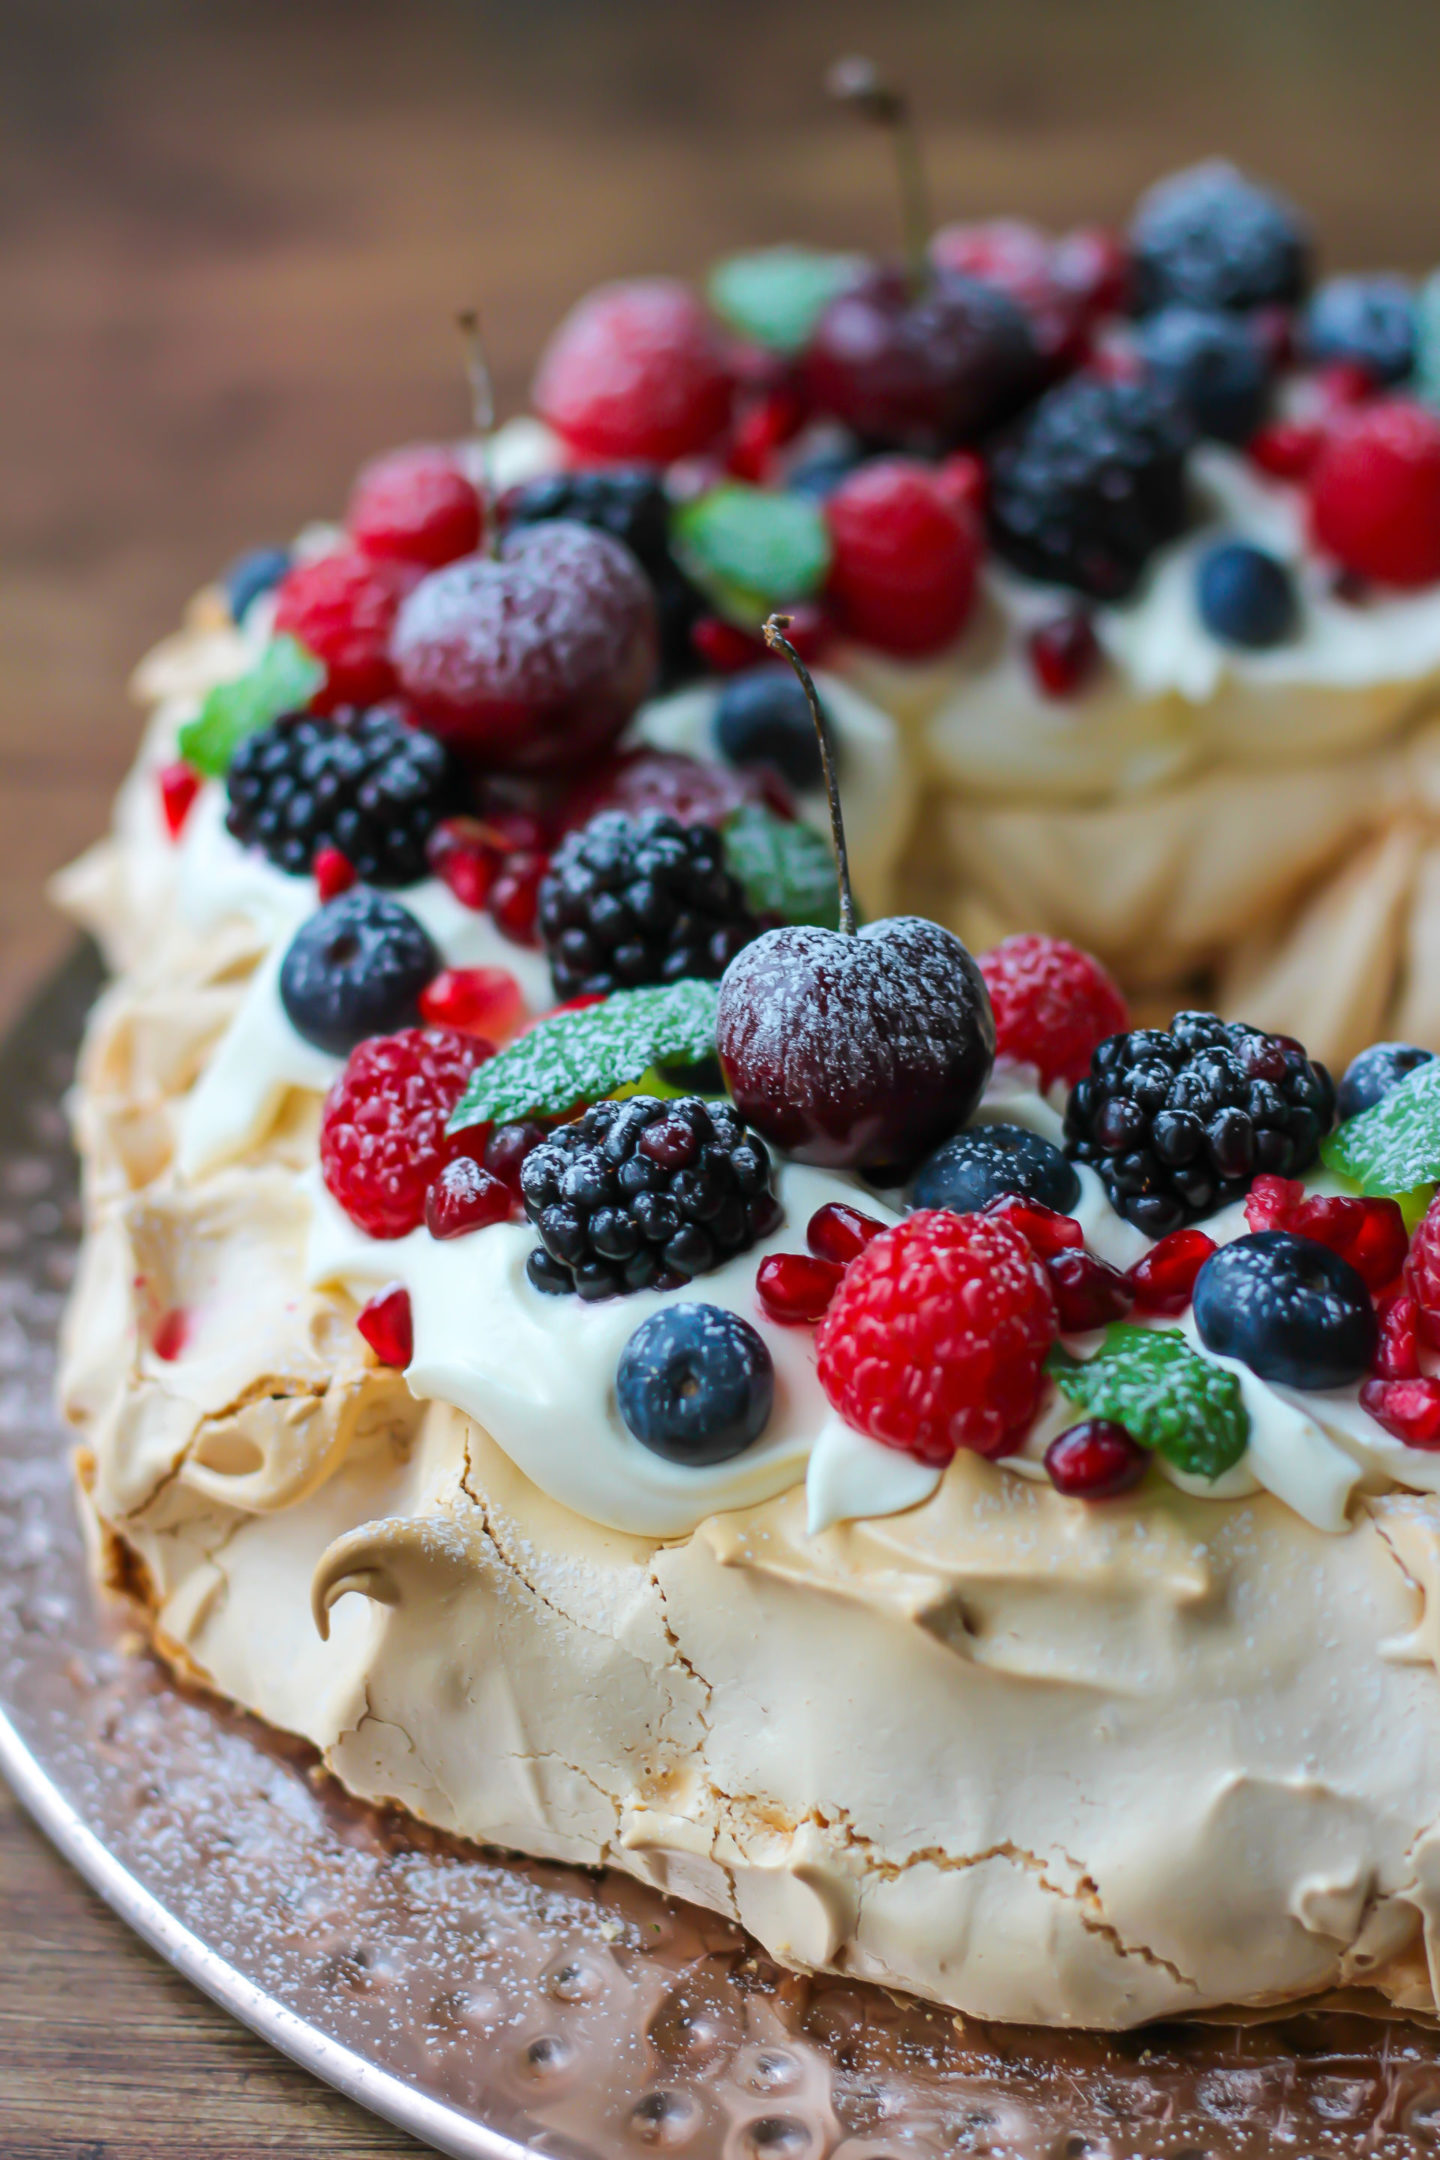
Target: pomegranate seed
<point>515,896</point>
<point>962,480</point>
<point>506,1150</point>
<point>484,1001</point>
<point>796,1289</point>
<point>334,873</point>
<point>1095,1460</point>
<point>507,831</point>
<point>169,1338</point>
<point>763,428</point>
<point>724,649</point>
<point>458,855</point>
<point>1409,1410</point>
<point>1286,449</point>
<point>465,1197</point>
<point>1164,1281</point>
<point>1397,1353</point>
<point>1345,384</point>
<point>386,1325</point>
<point>1044,1231</point>
<point>1064,654</point>
<point>837,1232</point>
<point>179,785</point>
<point>1089,1293</point>
<point>1370,1234</point>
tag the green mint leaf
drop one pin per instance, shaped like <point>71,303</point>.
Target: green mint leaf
<point>784,866</point>
<point>283,679</point>
<point>777,295</point>
<point>752,549</point>
<point>1395,1145</point>
<point>1165,1394</point>
<point>578,1057</point>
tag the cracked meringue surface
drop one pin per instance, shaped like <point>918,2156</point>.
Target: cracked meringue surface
<point>1036,1761</point>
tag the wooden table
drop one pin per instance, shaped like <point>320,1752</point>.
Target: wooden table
<point>232,241</point>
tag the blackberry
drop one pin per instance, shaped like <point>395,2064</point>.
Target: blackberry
<point>1091,485</point>
<point>644,1195</point>
<point>364,782</point>
<point>644,899</point>
<point>629,503</point>
<point>1213,239</point>
<point>1213,363</point>
<point>1369,320</point>
<point>1178,1120</point>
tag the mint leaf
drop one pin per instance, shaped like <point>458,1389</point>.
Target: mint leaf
<point>784,866</point>
<point>777,295</point>
<point>753,549</point>
<point>578,1057</point>
<point>283,679</point>
<point>1165,1394</point>
<point>1395,1145</point>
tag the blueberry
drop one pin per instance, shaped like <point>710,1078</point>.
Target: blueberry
<point>763,719</point>
<point>258,571</point>
<point>1245,596</point>
<point>1370,320</point>
<point>1292,1310</point>
<point>976,1166</point>
<point>821,473</point>
<point>355,968</point>
<point>695,1384</point>
<point>1213,364</point>
<point>1373,1074</point>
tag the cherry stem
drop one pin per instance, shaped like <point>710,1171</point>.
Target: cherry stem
<point>775,628</point>
<point>855,82</point>
<point>482,415</point>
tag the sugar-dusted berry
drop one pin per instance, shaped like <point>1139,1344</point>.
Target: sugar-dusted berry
<point>1375,493</point>
<point>382,1131</point>
<point>415,505</point>
<point>636,372</point>
<point>1053,1005</point>
<point>465,1196</point>
<point>936,1338</point>
<point>903,573</point>
<point>342,608</point>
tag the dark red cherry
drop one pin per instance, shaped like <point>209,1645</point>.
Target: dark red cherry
<point>533,658</point>
<point>922,368</point>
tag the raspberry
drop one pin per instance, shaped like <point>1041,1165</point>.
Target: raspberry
<point>636,371</point>
<point>382,1133</point>
<point>1053,1005</point>
<point>1422,1273</point>
<point>905,557</point>
<point>936,1338</point>
<point>1370,1234</point>
<point>415,505</point>
<point>342,608</point>
<point>1375,493</point>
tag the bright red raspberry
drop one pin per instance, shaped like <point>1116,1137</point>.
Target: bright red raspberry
<point>795,1289</point>
<point>1064,653</point>
<point>333,871</point>
<point>416,506</point>
<point>837,1232</point>
<point>1422,1272</point>
<point>1164,1281</point>
<point>483,1001</point>
<point>1397,1348</point>
<point>465,1197</point>
<point>903,573</point>
<point>1370,1234</point>
<point>636,371</point>
<point>936,1338</point>
<point>1095,1460</point>
<point>1053,1005</point>
<point>382,1132</point>
<point>385,1323</point>
<point>1409,1410</point>
<point>342,608</point>
<point>1375,493</point>
<point>179,785</point>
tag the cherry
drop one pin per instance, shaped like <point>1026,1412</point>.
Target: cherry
<point>690,789</point>
<point>1095,1460</point>
<point>536,656</point>
<point>851,1048</point>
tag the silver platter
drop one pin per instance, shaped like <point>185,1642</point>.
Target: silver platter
<point>490,2005</point>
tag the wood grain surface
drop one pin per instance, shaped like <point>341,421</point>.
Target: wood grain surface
<point>232,238</point>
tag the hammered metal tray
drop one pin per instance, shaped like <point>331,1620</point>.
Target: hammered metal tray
<point>492,2005</point>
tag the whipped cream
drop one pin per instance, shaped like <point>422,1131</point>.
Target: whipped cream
<point>260,1056</point>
